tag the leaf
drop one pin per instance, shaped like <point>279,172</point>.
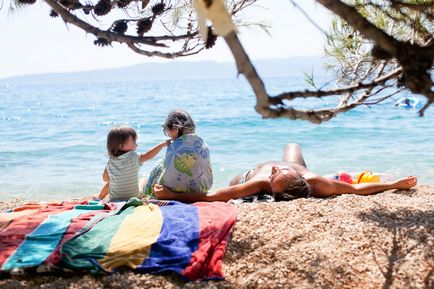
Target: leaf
<point>184,163</point>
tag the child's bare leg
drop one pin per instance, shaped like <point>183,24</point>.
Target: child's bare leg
<point>292,153</point>
<point>104,191</point>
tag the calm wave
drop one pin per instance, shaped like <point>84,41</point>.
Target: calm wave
<point>52,143</point>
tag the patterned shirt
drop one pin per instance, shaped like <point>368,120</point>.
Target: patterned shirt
<point>186,167</point>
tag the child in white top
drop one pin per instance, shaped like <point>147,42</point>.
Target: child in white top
<point>121,173</point>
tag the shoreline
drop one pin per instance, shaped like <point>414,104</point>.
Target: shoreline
<point>383,240</point>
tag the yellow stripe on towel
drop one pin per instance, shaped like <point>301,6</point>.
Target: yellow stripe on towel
<point>132,242</point>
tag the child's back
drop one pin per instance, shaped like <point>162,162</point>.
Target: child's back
<point>123,176</point>
<point>187,164</point>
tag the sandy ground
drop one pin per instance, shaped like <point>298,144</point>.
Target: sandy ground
<point>380,241</point>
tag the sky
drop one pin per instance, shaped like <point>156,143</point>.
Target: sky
<point>34,43</point>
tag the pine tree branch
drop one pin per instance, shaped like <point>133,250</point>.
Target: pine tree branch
<point>430,100</point>
<point>415,60</point>
<point>245,67</point>
<point>112,36</point>
<point>263,105</point>
<point>338,91</point>
<point>369,30</point>
<point>427,7</point>
<point>186,52</point>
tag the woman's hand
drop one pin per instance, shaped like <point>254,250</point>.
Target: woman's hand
<point>405,183</point>
<point>161,192</point>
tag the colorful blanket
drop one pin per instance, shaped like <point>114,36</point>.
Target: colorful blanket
<point>152,237</point>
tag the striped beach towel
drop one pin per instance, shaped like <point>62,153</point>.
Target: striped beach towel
<point>153,237</point>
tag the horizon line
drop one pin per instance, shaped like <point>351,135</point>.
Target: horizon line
<point>154,62</point>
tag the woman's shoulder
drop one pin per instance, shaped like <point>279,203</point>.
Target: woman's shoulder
<point>256,185</point>
<point>260,182</point>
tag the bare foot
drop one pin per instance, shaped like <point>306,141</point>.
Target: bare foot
<point>406,183</point>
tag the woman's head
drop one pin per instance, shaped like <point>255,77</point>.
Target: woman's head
<point>177,123</point>
<point>287,184</point>
<point>121,139</point>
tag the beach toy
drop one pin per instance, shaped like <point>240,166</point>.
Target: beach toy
<point>367,177</point>
<point>345,177</point>
<point>409,102</point>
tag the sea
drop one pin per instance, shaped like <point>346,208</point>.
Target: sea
<point>53,136</point>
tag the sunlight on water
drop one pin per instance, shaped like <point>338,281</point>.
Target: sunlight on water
<point>52,143</point>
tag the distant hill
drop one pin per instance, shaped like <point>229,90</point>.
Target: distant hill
<point>176,70</point>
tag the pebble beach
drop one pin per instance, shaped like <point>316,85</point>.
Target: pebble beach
<point>379,241</point>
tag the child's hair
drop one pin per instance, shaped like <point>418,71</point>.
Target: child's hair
<point>117,137</point>
<point>181,120</point>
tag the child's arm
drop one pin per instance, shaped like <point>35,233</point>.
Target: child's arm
<point>105,189</point>
<point>153,151</point>
<point>105,175</point>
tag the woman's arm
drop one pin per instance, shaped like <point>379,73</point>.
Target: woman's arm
<point>324,187</point>
<point>223,194</point>
<point>153,151</point>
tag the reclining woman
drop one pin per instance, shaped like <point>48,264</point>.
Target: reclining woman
<point>285,180</point>
<point>187,164</point>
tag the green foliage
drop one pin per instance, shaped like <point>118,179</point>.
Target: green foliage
<point>349,52</point>
<point>309,79</point>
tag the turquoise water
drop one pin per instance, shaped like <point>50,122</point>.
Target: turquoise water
<point>52,136</point>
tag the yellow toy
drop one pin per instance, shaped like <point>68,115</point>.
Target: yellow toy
<point>367,177</point>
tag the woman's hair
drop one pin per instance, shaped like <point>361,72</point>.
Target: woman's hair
<point>181,120</point>
<point>117,137</point>
<point>295,188</point>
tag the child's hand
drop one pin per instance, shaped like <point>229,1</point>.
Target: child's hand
<point>167,142</point>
